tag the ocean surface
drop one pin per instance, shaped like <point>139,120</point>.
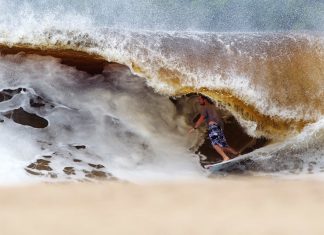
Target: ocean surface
<point>81,100</point>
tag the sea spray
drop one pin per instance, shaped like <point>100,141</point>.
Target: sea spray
<point>121,124</point>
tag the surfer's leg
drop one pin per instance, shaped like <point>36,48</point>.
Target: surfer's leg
<point>221,152</point>
<point>231,150</point>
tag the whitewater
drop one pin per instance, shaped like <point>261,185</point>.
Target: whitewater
<point>128,118</point>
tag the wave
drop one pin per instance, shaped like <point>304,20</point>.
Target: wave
<point>272,83</point>
<point>272,80</point>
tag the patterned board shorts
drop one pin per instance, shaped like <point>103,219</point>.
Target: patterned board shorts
<point>216,135</point>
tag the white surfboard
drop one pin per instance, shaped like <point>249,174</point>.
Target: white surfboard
<point>221,165</point>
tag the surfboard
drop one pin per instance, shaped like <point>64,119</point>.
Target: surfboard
<point>221,165</point>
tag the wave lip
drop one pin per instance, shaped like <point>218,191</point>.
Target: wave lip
<point>271,82</point>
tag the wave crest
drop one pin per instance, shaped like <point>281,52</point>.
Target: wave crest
<point>272,83</point>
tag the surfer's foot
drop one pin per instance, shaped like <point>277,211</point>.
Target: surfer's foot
<point>236,154</point>
<point>226,159</point>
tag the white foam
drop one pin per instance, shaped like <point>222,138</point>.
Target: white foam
<point>152,51</point>
<point>135,133</point>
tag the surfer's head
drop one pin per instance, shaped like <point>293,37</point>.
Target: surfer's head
<point>203,100</point>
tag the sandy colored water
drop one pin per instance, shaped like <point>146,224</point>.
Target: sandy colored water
<point>220,206</point>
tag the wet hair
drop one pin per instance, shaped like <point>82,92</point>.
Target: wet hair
<point>206,98</point>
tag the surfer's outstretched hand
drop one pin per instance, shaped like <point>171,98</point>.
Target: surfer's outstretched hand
<point>191,130</point>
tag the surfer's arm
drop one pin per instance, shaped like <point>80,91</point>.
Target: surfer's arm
<point>200,120</point>
<point>198,123</point>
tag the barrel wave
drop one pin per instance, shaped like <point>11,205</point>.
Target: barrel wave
<point>270,83</point>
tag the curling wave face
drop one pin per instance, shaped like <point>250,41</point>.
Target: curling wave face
<point>272,83</point>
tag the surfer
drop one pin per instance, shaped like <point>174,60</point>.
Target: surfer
<point>215,127</point>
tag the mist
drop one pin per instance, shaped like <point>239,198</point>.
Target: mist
<point>179,15</point>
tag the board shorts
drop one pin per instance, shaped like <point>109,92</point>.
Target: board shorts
<point>216,135</point>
